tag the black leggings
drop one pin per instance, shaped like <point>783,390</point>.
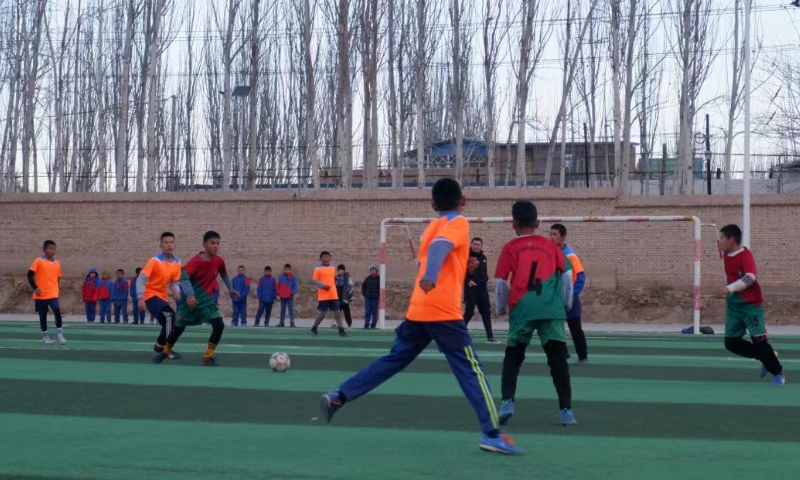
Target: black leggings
<point>759,349</point>
<point>43,318</point>
<point>479,299</point>
<point>217,326</point>
<point>347,316</point>
<point>559,370</point>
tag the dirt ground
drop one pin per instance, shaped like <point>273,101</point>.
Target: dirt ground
<point>649,304</point>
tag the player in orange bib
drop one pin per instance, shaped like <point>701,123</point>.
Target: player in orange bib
<point>162,272</point>
<point>328,298</point>
<point>434,314</point>
<point>43,276</point>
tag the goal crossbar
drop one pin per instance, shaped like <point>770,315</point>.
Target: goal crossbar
<point>388,222</point>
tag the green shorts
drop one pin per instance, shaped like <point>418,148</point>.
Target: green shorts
<point>522,332</point>
<point>742,318</point>
<point>205,313</point>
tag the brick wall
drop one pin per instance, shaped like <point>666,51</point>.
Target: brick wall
<point>109,231</point>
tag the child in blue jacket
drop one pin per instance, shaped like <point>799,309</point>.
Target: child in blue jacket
<point>287,289</point>
<point>241,284</point>
<point>119,297</point>
<point>267,292</point>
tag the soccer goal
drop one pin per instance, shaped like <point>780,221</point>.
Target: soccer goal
<point>683,252</point>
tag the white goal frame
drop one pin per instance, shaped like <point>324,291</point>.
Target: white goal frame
<point>388,222</point>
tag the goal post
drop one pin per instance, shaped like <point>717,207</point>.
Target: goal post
<point>697,227</point>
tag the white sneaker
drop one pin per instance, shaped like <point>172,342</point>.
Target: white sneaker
<point>47,340</point>
<point>61,339</point>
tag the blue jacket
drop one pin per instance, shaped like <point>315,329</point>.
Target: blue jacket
<point>241,284</point>
<point>119,291</point>
<point>287,287</point>
<point>133,288</point>
<point>267,289</point>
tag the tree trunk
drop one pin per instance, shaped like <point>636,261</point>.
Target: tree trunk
<point>393,157</point>
<point>100,88</point>
<point>121,149</point>
<point>734,100</point>
<point>684,138</point>
<point>154,103</point>
<point>522,93</point>
<point>624,170</point>
<point>420,93</point>
<point>253,111</point>
<point>33,75</point>
<point>344,95</point>
<point>615,85</point>
<point>458,94</point>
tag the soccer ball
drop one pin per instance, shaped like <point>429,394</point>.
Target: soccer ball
<point>280,362</point>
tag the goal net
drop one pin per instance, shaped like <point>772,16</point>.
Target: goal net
<point>648,253</point>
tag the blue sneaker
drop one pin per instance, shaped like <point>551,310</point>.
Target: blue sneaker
<point>506,411</point>
<point>567,417</point>
<point>329,404</point>
<point>501,444</point>
<point>779,380</point>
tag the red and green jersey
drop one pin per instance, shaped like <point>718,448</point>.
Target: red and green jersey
<point>535,264</point>
<point>736,266</point>
<point>204,272</point>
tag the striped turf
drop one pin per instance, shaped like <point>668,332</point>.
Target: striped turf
<point>649,407</point>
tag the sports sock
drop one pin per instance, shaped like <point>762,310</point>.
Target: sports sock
<point>210,349</point>
<point>740,347</point>
<point>168,347</point>
<point>493,434</point>
<point>766,355</point>
<point>511,364</point>
<point>342,397</point>
<point>559,369</point>
<point>44,333</point>
<point>59,330</point>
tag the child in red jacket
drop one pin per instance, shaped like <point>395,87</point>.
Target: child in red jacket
<point>103,295</point>
<point>88,290</point>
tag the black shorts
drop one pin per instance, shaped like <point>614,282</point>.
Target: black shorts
<point>329,305</point>
<point>43,305</point>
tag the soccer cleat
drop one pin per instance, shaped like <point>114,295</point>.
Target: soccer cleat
<point>567,418</point>
<point>342,333</point>
<point>492,340</point>
<point>210,362</point>
<point>173,355</point>
<point>329,404</point>
<point>47,340</point>
<point>500,444</point>
<point>158,348</point>
<point>292,325</point>
<point>314,332</point>
<point>763,372</point>
<point>160,357</point>
<point>582,362</point>
<point>779,380</point>
<point>333,325</point>
<point>61,339</point>
<point>506,411</point>
<point>282,325</point>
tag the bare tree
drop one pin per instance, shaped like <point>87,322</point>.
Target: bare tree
<point>255,53</point>
<point>493,37</point>
<point>30,92</point>
<point>570,66</point>
<point>420,92</point>
<point>623,168</point>
<point>531,48</point>
<point>735,99</point>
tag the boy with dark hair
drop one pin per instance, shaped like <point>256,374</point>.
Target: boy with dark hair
<point>119,297</point>
<point>558,234</point>
<point>324,279</point>
<point>745,313</point>
<point>103,296</point>
<point>434,314</point>
<point>344,288</point>
<point>538,296</point>
<point>287,289</point>
<point>161,273</point>
<point>197,301</point>
<point>371,291</point>
<point>241,285</point>
<point>138,315</point>
<point>43,276</point>
<point>476,290</point>
<point>88,289</point>
<point>267,291</point>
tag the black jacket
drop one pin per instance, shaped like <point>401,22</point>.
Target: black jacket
<point>481,275</point>
<point>371,287</point>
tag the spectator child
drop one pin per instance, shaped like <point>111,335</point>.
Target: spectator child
<point>241,284</point>
<point>103,295</point>
<point>267,291</point>
<point>119,297</point>
<point>371,290</point>
<point>346,291</point>
<point>88,289</point>
<point>138,315</point>
<point>287,289</point>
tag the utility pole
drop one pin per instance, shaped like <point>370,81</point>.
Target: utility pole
<point>708,156</point>
<point>172,183</point>
<point>662,180</point>
<point>586,153</point>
